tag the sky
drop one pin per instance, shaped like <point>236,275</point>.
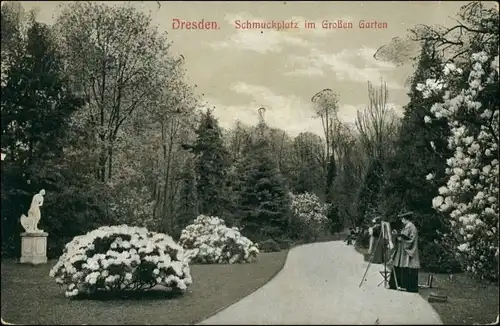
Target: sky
<point>238,71</point>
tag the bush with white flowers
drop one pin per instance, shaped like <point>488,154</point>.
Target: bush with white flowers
<point>209,241</point>
<point>309,213</point>
<point>470,196</point>
<point>121,258</point>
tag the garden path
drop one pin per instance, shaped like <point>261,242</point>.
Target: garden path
<point>319,285</point>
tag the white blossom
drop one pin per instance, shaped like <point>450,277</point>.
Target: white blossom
<point>209,241</point>
<point>82,269</point>
<point>471,192</point>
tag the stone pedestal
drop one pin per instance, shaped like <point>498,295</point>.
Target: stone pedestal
<point>34,248</point>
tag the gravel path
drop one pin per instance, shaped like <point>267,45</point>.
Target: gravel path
<point>319,285</point>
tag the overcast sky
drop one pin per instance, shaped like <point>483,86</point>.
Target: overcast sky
<point>239,71</point>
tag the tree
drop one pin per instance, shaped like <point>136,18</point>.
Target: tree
<point>187,205</point>
<point>308,153</point>
<point>421,149</point>
<point>12,24</point>
<point>353,163</point>
<point>475,19</point>
<point>470,108</point>
<point>36,110</point>
<point>470,195</point>
<point>212,163</point>
<point>117,60</point>
<point>309,218</point>
<point>278,140</point>
<point>377,126</point>
<point>370,192</point>
<point>174,116</point>
<point>326,104</point>
<point>399,51</point>
<point>264,202</point>
<point>238,139</point>
<point>36,103</point>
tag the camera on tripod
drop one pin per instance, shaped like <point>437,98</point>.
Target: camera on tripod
<point>381,230</point>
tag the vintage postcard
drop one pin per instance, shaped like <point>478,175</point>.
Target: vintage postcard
<point>254,163</point>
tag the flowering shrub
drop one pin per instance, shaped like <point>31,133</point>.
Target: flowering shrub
<point>209,241</point>
<point>470,196</point>
<point>120,258</point>
<point>309,214</point>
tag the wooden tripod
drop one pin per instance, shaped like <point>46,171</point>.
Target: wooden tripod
<point>385,230</point>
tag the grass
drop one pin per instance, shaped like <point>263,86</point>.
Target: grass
<point>469,301</point>
<point>30,296</point>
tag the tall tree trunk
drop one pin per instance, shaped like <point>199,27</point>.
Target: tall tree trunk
<point>110,160</point>
<point>103,159</point>
<point>167,155</point>
<point>173,192</point>
<point>102,163</point>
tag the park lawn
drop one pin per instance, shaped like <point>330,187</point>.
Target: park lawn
<point>30,296</point>
<point>469,301</point>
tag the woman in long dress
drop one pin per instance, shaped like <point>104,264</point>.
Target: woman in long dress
<point>405,259</point>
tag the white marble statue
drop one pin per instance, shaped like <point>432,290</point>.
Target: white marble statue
<point>30,222</point>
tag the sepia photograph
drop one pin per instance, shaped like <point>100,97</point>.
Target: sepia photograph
<point>250,162</point>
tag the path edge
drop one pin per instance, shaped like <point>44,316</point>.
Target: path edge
<point>250,293</point>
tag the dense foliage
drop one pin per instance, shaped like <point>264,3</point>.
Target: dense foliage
<point>405,186</point>
<point>121,258</point>
<point>470,195</point>
<point>263,202</point>
<point>36,106</point>
<point>209,241</point>
<point>309,216</point>
<point>211,166</point>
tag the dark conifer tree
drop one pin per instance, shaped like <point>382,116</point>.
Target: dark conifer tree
<point>264,201</point>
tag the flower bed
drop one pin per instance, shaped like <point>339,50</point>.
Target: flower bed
<point>121,258</point>
<point>309,216</point>
<point>209,241</point>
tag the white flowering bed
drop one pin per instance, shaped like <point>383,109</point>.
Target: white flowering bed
<point>470,196</point>
<point>310,215</point>
<point>308,208</point>
<point>209,241</point>
<point>121,258</point>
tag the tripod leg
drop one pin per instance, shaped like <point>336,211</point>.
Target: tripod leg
<point>366,271</point>
<point>395,278</point>
<point>385,266</point>
<point>371,259</point>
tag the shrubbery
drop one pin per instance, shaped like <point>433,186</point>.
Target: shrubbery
<point>269,246</point>
<point>285,243</point>
<point>309,216</point>
<point>434,258</point>
<point>121,258</point>
<point>470,196</point>
<point>209,241</point>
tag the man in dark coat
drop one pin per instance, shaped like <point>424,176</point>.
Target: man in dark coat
<point>405,259</point>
